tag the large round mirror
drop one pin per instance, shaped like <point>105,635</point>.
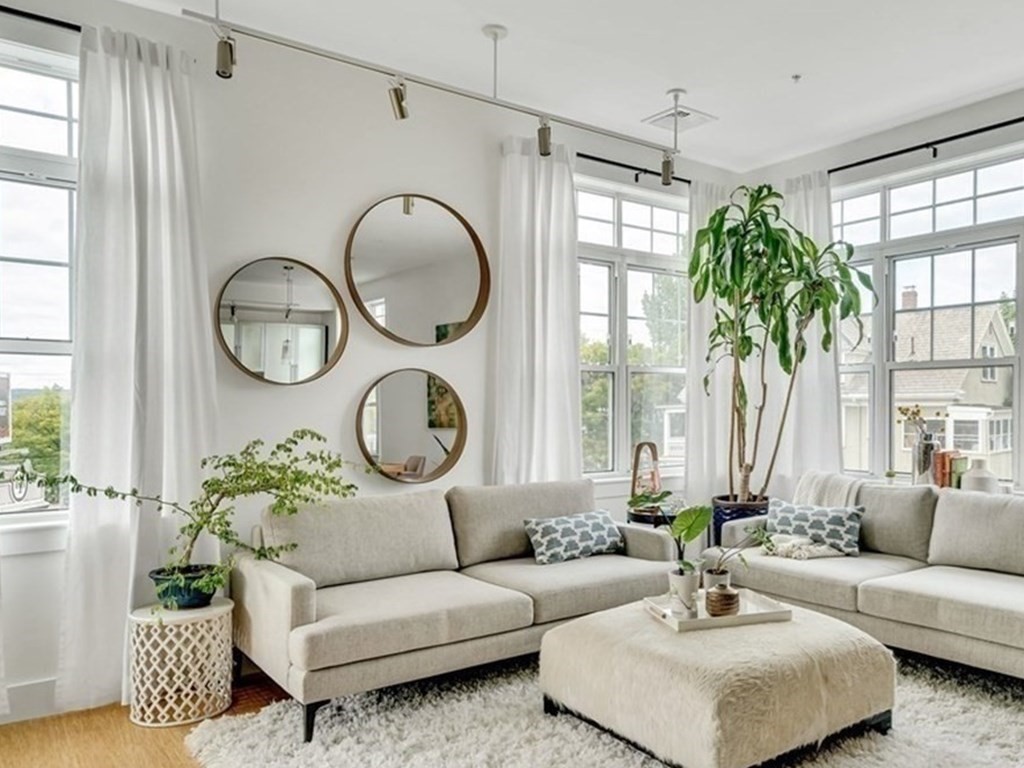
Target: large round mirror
<point>417,270</point>
<point>281,321</point>
<point>411,426</point>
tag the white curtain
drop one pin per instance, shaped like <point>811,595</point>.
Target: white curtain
<point>707,417</point>
<point>535,375</point>
<point>5,705</point>
<point>812,438</point>
<point>142,373</point>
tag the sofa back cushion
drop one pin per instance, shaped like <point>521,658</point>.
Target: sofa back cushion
<point>897,520</point>
<point>978,530</point>
<point>364,538</point>
<point>489,521</point>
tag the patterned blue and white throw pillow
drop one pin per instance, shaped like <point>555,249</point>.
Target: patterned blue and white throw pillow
<point>557,539</point>
<point>839,527</point>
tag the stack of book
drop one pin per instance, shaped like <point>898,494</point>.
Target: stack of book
<point>949,468</point>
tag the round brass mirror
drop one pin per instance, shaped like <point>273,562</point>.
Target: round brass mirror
<point>411,426</point>
<point>281,321</point>
<point>417,271</point>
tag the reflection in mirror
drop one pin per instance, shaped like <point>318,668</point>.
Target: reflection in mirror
<point>411,426</point>
<point>417,270</point>
<point>281,321</point>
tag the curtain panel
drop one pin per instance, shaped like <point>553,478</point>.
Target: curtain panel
<point>142,371</point>
<point>534,366</point>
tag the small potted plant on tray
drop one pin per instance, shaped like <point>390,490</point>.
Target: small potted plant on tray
<point>684,580</point>
<point>287,474</point>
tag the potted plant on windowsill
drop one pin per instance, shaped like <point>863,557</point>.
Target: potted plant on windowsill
<point>684,580</point>
<point>287,474</point>
<point>770,285</point>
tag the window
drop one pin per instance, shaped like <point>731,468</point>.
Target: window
<point>378,310</point>
<point>943,248</point>
<point>988,373</point>
<point>38,134</point>
<point>633,304</point>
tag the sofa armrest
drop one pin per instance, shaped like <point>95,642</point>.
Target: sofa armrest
<point>270,601</point>
<point>648,543</point>
<point>735,531</point>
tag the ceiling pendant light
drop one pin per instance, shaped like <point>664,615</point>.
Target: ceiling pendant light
<point>544,138</point>
<point>397,95</point>
<point>226,58</point>
<point>668,160</point>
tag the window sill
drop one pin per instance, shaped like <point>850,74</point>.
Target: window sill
<point>37,520</point>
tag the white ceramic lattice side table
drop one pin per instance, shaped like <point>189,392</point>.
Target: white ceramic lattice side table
<point>180,663</point>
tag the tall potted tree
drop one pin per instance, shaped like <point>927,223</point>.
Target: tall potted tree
<point>770,284</point>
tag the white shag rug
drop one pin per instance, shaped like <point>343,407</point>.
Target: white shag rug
<point>946,717</point>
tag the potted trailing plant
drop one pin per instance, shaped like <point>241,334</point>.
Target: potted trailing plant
<point>684,580</point>
<point>647,506</point>
<point>719,572</point>
<point>288,474</point>
<point>770,284</point>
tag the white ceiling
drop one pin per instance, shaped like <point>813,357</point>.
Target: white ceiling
<point>867,65</point>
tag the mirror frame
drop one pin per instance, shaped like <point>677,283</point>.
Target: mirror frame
<point>483,291</point>
<point>342,334</point>
<point>454,453</point>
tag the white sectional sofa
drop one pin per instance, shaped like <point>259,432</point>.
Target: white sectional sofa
<point>386,589</point>
<point>940,573</point>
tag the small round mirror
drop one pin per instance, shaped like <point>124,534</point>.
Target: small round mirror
<point>417,271</point>
<point>411,426</point>
<point>281,321</point>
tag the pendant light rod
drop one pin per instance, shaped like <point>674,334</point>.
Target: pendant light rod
<point>390,72</point>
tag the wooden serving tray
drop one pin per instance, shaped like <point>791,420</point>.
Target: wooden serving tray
<point>754,609</point>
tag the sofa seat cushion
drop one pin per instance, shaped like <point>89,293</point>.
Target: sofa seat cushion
<point>576,587</point>
<point>830,581</point>
<point>371,619</point>
<point>978,604</point>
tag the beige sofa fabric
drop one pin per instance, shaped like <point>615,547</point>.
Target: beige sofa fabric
<point>897,520</point>
<point>572,588</point>
<point>360,539</point>
<point>371,619</point>
<point>648,543</point>
<point>979,604</point>
<point>828,581</point>
<point>488,520</point>
<point>270,601</point>
<point>978,530</point>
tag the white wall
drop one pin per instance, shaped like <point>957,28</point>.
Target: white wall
<point>292,150</point>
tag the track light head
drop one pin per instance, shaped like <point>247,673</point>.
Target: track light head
<point>397,95</point>
<point>225,56</point>
<point>407,205</point>
<point>668,169</point>
<point>544,138</point>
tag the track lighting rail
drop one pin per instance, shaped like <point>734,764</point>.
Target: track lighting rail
<point>390,72</point>
<point>40,18</point>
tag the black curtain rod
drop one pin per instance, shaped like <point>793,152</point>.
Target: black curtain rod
<point>626,167</point>
<point>932,145</point>
<point>41,19</point>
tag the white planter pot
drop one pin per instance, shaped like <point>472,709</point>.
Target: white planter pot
<point>683,589</point>
<point>712,580</point>
<point>978,478</point>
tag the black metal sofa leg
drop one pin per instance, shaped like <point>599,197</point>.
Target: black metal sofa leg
<point>309,712</point>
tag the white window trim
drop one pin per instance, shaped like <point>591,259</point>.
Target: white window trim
<point>619,260</point>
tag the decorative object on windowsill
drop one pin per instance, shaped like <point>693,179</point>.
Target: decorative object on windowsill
<point>287,474</point>
<point>647,500</point>
<point>771,285</point>
<point>684,581</point>
<point>890,476</point>
<point>722,600</point>
<point>922,454</point>
<point>979,478</point>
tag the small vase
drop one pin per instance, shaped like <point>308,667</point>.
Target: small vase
<point>713,579</point>
<point>723,600</point>
<point>923,459</point>
<point>978,478</point>
<point>683,589</point>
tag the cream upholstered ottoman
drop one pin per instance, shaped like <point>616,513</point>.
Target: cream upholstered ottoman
<point>729,697</point>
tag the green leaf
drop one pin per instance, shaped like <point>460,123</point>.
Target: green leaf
<point>691,523</point>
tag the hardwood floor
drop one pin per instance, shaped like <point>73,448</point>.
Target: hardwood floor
<point>104,738</point>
